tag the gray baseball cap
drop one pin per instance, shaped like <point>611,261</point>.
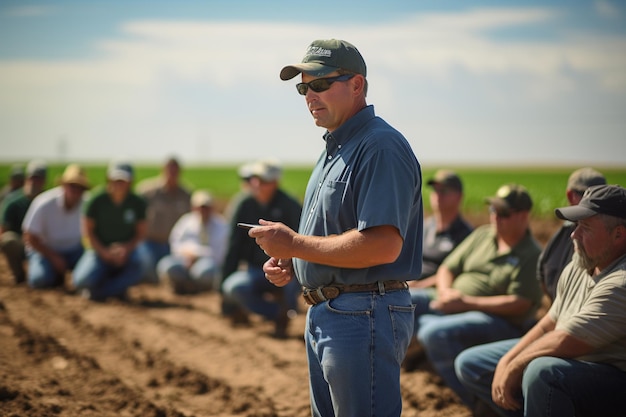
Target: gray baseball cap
<point>597,199</point>
<point>324,56</point>
<point>583,178</point>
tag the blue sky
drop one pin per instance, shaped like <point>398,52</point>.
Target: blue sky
<point>468,83</point>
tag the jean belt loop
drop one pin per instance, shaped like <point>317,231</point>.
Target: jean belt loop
<point>381,287</point>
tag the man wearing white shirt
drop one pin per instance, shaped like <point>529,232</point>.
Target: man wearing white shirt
<point>51,230</point>
<point>198,244</point>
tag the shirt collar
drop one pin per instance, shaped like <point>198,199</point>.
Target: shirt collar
<point>346,131</point>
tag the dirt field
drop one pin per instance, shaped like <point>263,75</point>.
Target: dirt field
<point>162,355</point>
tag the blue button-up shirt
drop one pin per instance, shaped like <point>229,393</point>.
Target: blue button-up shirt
<point>368,176</point>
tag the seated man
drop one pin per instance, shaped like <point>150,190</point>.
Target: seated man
<point>16,181</point>
<point>114,224</point>
<point>573,361</point>
<point>445,228</point>
<point>52,230</point>
<point>198,241</point>
<point>559,249</point>
<point>14,208</point>
<point>486,288</point>
<point>245,288</point>
<point>167,200</point>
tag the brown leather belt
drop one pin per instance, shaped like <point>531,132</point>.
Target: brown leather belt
<point>314,296</point>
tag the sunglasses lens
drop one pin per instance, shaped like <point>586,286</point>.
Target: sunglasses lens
<point>302,88</point>
<point>320,85</point>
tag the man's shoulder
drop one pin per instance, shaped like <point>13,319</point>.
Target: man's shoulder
<point>136,200</point>
<point>529,245</point>
<point>283,196</point>
<point>149,185</point>
<point>461,226</point>
<point>47,199</point>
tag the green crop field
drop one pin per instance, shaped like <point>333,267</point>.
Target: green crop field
<point>546,185</point>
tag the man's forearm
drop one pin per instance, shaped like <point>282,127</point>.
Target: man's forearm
<point>352,249</point>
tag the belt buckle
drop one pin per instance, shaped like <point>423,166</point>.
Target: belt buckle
<point>309,297</point>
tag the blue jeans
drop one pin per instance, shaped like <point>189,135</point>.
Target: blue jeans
<point>443,337</point>
<point>104,280</point>
<point>249,288</point>
<point>150,253</point>
<point>41,274</point>
<point>355,345</point>
<point>550,386</point>
<point>201,276</point>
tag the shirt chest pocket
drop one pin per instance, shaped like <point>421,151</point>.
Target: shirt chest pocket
<point>334,204</point>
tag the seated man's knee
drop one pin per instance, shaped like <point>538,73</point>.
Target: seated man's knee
<point>541,372</point>
<point>431,333</point>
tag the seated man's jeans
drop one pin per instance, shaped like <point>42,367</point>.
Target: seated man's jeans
<point>201,276</point>
<point>550,386</point>
<point>150,253</point>
<point>249,288</point>
<point>105,280</point>
<point>355,344</point>
<point>41,273</point>
<point>444,336</point>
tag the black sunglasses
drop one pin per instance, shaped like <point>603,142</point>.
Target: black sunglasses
<point>321,84</point>
<point>503,214</point>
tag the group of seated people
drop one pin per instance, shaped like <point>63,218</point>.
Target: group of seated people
<point>477,318</point>
<point>112,237</point>
<point>477,299</point>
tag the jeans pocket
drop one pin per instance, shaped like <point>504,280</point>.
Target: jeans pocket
<point>402,320</point>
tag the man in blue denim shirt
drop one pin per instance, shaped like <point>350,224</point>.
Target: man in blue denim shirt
<point>359,241</point>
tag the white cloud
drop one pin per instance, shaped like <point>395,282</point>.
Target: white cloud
<point>217,83</point>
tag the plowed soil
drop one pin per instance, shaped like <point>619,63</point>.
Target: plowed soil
<point>162,355</point>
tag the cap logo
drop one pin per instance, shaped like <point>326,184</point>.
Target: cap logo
<point>318,51</point>
<point>503,192</point>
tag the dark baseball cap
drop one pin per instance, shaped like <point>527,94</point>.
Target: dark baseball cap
<point>583,178</point>
<point>511,197</point>
<point>448,179</point>
<point>17,171</point>
<point>37,168</point>
<point>324,56</point>
<point>120,171</point>
<point>597,199</point>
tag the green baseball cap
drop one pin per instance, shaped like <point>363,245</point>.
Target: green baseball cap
<point>324,56</point>
<point>511,197</point>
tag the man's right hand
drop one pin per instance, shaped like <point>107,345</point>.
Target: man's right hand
<point>278,271</point>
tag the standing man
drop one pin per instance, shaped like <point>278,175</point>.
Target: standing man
<point>573,361</point>
<point>359,241</point>
<point>52,230</point>
<point>167,201</point>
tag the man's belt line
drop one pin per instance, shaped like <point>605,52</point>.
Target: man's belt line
<point>314,296</point>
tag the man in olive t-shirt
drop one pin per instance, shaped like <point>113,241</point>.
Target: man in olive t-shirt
<point>486,288</point>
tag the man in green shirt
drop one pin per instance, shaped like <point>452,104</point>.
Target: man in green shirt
<point>114,222</point>
<point>13,211</point>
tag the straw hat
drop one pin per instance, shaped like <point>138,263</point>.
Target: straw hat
<point>75,174</point>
